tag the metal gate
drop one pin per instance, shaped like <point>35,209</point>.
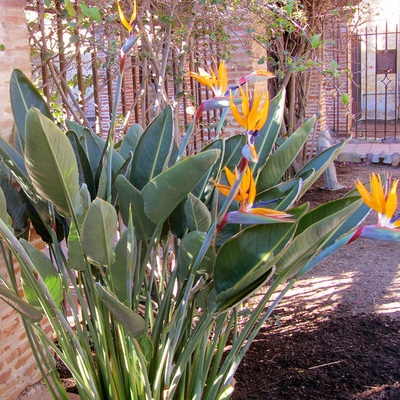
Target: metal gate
<point>375,85</point>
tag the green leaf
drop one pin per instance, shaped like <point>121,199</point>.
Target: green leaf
<point>282,196</point>
<point>70,9</point>
<point>51,164</point>
<point>94,149</point>
<point>84,167</point>
<point>233,151</point>
<point>197,215</point>
<point>98,232</point>
<point>3,207</point>
<point>204,189</point>
<point>188,249</point>
<point>146,346</point>
<point>163,194</point>
<point>124,265</point>
<point>12,159</point>
<point>246,259</point>
<point>48,273</point>
<point>319,163</point>
<point>315,41</point>
<point>133,323</point>
<point>152,150</point>
<point>280,160</point>
<point>269,132</point>
<point>177,220</point>
<point>313,229</point>
<point>16,208</point>
<point>26,310</point>
<point>130,140</point>
<point>130,200</point>
<point>74,126</point>
<point>23,97</point>
<point>94,12</point>
<point>76,257</point>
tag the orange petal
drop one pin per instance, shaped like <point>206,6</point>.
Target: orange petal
<point>377,193</point>
<point>204,79</point>
<point>236,113</point>
<point>123,19</point>
<point>263,114</point>
<point>222,77</point>
<point>367,198</point>
<point>391,203</point>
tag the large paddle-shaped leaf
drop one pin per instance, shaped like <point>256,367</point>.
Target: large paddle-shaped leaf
<point>203,190</point>
<point>133,323</point>
<point>163,194</point>
<point>131,201</point>
<point>280,160</point>
<point>48,273</point>
<point>152,150</point>
<point>188,249</point>
<point>314,228</point>
<point>269,132</point>
<point>131,140</point>
<point>233,151</point>
<point>84,167</point>
<point>247,258</point>
<point>98,232</point>
<point>16,165</point>
<point>51,164</point>
<point>124,265</point>
<point>23,97</point>
<point>197,215</point>
<point>15,207</point>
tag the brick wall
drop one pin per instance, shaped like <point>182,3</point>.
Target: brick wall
<point>17,365</point>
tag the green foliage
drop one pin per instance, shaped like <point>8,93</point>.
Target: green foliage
<point>158,260</point>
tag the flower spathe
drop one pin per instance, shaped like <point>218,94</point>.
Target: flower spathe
<point>382,199</point>
<point>248,214</point>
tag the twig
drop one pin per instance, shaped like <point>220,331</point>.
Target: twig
<point>325,365</point>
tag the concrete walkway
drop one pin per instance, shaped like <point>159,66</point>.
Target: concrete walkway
<point>371,147</point>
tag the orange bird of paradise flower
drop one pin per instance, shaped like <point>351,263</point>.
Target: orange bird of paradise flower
<point>253,117</point>
<point>382,199</point>
<point>245,196</point>
<point>216,79</point>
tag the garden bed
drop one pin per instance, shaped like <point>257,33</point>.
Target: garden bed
<point>337,334</point>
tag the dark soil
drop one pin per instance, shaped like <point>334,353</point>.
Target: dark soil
<point>339,357</point>
<point>336,343</point>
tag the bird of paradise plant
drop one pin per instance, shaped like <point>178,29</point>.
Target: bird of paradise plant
<point>147,285</point>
